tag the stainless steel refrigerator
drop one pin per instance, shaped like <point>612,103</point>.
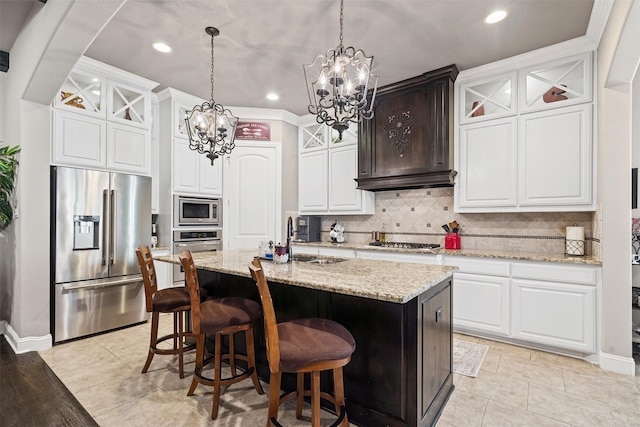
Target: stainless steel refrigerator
<point>98,219</point>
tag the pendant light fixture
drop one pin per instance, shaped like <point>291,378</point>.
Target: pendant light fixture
<point>338,83</point>
<point>211,127</point>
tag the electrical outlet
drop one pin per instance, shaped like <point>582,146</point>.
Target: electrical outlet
<point>515,243</point>
<point>16,212</point>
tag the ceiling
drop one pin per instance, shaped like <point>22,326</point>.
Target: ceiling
<point>264,43</point>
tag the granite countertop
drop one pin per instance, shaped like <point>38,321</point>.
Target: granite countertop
<point>395,282</point>
<point>509,255</point>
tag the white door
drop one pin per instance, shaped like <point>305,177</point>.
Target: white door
<point>252,195</point>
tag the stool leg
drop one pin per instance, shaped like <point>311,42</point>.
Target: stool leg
<point>180,316</point>
<point>300,394</point>
<point>274,396</point>
<point>251,359</point>
<point>216,379</point>
<point>338,393</point>
<point>200,351</point>
<point>153,342</point>
<point>315,399</point>
<point>232,354</point>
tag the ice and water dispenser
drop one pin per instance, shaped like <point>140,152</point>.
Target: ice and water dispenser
<point>86,232</point>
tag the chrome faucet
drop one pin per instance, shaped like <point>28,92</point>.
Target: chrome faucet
<point>289,236</point>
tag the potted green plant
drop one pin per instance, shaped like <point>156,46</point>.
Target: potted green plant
<point>8,169</point>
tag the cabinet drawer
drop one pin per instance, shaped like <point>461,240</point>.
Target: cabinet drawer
<point>556,273</point>
<point>478,265</point>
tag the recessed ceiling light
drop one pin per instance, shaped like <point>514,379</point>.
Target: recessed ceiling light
<point>162,47</point>
<point>273,96</point>
<point>496,16</point>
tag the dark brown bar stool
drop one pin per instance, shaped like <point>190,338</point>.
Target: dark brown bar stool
<point>303,346</point>
<point>170,300</point>
<point>217,318</point>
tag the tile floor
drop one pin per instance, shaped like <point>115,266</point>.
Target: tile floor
<point>515,387</point>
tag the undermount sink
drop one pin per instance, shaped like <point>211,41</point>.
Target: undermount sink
<point>316,259</point>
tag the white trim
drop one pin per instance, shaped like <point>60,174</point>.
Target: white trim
<point>91,65</point>
<point>598,21</point>
<point>27,344</point>
<point>625,60</point>
<point>618,364</point>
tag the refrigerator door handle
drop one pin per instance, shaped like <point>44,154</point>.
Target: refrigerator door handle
<point>103,284</point>
<point>113,226</point>
<point>105,228</point>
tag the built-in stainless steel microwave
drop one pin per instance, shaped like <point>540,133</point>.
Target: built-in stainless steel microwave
<point>190,211</point>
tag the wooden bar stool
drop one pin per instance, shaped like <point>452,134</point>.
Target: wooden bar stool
<point>303,346</point>
<point>217,318</point>
<point>170,300</point>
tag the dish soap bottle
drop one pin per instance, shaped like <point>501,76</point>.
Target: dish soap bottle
<point>383,235</point>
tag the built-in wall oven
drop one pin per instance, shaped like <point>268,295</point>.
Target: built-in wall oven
<point>195,240</point>
<point>196,211</point>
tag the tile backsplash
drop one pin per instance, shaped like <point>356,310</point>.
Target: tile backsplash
<point>418,215</point>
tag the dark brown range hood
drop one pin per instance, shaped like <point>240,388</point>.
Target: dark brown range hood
<point>409,142</point>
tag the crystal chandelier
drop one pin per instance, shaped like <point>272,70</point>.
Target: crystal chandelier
<point>211,127</point>
<point>338,83</point>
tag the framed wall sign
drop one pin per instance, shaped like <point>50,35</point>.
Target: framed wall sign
<point>260,131</point>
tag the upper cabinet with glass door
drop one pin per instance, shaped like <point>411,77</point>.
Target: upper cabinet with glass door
<point>83,91</point>
<point>489,98</point>
<point>101,91</point>
<point>313,137</point>
<point>129,105</point>
<point>555,84</point>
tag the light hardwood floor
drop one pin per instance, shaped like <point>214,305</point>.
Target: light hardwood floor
<point>515,387</point>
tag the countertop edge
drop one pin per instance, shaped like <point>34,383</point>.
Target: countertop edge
<point>401,297</point>
<point>478,253</point>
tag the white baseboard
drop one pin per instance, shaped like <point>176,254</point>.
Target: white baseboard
<point>618,364</point>
<point>24,345</point>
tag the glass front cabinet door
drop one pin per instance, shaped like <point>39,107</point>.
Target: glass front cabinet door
<point>489,98</point>
<point>556,84</point>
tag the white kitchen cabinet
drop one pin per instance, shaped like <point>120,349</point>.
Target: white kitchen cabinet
<point>79,140</point>
<point>313,169</point>
<point>192,172</point>
<point>128,104</point>
<point>102,119</point>
<point>557,314</point>
<point>84,90</point>
<point>481,295</point>
<point>558,83</point>
<point>481,304</point>
<point>128,149</point>
<point>327,168</point>
<point>488,155</point>
<point>488,98</point>
<point>546,304</point>
<point>538,159</point>
<point>555,158</point>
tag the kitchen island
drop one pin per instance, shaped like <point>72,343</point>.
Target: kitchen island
<point>399,314</point>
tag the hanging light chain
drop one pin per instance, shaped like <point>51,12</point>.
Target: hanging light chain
<point>341,19</point>
<point>212,37</point>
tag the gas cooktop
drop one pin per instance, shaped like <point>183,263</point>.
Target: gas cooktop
<point>406,245</point>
